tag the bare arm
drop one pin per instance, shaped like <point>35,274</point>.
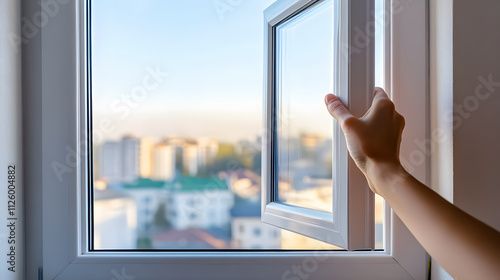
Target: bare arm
<point>463,245</point>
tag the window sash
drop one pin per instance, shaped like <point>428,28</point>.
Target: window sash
<point>351,224</point>
<point>63,233</point>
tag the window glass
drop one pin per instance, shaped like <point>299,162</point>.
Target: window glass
<point>176,123</point>
<point>304,75</point>
<point>381,21</point>
<point>177,119</point>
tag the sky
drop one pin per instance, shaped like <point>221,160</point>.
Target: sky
<point>215,67</point>
<point>214,61</point>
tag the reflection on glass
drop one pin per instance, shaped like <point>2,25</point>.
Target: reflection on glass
<point>304,76</point>
<point>177,157</point>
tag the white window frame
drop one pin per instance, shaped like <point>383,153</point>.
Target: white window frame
<point>351,224</point>
<point>63,227</point>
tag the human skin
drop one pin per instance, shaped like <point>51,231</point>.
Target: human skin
<point>461,244</point>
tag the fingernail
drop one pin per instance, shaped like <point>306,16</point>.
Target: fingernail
<point>329,98</point>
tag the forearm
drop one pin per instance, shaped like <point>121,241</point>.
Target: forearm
<point>464,246</point>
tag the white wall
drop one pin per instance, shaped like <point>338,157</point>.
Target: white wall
<point>476,43</point>
<point>441,100</point>
<point>464,46</point>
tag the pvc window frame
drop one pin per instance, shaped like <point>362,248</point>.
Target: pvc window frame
<point>351,223</point>
<point>64,230</point>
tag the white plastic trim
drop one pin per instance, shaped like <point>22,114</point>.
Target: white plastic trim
<point>351,225</point>
<point>11,141</point>
<point>64,227</point>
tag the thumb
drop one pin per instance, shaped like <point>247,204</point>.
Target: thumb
<point>337,108</point>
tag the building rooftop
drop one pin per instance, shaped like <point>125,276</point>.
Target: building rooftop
<point>144,183</point>
<point>246,209</point>
<point>188,183</point>
<point>179,184</point>
<point>192,238</point>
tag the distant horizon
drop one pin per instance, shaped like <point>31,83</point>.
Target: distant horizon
<point>250,139</point>
<point>165,68</point>
<point>160,138</point>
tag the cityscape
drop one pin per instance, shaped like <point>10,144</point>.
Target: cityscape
<point>184,193</point>
<point>180,166</point>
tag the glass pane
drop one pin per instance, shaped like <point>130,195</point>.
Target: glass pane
<point>380,81</point>
<point>177,120</point>
<point>305,129</point>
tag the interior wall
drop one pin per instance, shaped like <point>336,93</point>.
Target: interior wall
<point>476,92</point>
<point>441,94</point>
<point>465,80</point>
<point>441,104</point>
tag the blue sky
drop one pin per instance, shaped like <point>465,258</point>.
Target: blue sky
<point>215,67</point>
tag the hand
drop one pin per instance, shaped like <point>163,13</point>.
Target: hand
<point>373,140</point>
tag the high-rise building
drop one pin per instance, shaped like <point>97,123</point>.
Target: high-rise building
<point>190,158</point>
<point>110,158</point>
<point>187,154</point>
<point>130,158</point>
<point>207,151</point>
<point>146,157</point>
<point>163,162</point>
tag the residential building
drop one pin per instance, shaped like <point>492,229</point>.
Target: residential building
<point>186,154</point>
<point>198,203</point>
<point>163,162</point>
<point>147,195</point>
<point>114,212</point>
<point>146,157</point>
<point>110,158</point>
<point>248,231</point>
<point>207,151</point>
<point>190,158</point>
<point>130,158</point>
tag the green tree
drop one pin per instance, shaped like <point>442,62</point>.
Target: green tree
<point>160,219</point>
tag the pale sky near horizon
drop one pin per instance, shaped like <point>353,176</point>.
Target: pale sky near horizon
<point>214,61</point>
<point>215,67</point>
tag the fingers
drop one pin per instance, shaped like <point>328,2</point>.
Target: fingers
<point>337,108</point>
<point>382,105</point>
<point>380,94</point>
<point>401,121</point>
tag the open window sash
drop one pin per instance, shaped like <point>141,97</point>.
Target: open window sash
<point>350,223</point>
